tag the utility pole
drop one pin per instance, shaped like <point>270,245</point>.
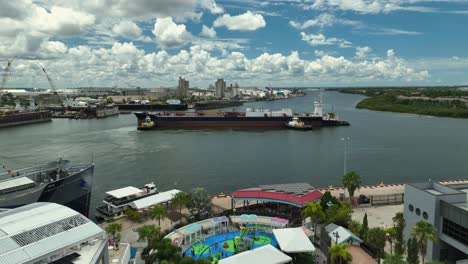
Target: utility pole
<point>336,237</point>
<point>345,140</point>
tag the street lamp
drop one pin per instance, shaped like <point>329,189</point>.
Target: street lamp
<point>345,140</point>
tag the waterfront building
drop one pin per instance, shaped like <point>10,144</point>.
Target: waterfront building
<point>445,207</point>
<point>50,233</point>
<point>220,88</point>
<point>183,87</point>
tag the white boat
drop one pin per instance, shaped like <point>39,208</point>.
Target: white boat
<point>119,200</point>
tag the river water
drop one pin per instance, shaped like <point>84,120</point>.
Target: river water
<point>389,147</point>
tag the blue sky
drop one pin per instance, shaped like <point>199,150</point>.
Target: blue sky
<point>281,43</point>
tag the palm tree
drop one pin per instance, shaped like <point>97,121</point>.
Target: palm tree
<point>422,232</point>
<point>338,252</point>
<point>158,212</point>
<point>113,229</point>
<point>315,212</point>
<point>147,232</point>
<point>180,200</point>
<point>352,181</point>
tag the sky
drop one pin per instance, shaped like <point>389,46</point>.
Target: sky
<point>303,43</point>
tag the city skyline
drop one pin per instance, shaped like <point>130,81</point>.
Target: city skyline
<point>275,43</point>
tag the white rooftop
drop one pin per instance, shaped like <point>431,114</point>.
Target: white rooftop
<point>30,233</point>
<point>124,192</point>
<point>344,236</point>
<point>15,182</point>
<point>293,240</point>
<point>265,255</point>
<point>149,201</point>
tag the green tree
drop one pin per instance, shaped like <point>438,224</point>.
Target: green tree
<point>200,204</point>
<point>355,227</point>
<point>147,232</point>
<point>352,181</point>
<point>423,232</point>
<point>315,212</point>
<point>394,259</point>
<point>339,253</point>
<point>412,257</point>
<point>113,229</point>
<point>158,212</point>
<point>180,200</point>
<point>328,200</point>
<point>391,236</point>
<point>133,214</point>
<point>339,214</point>
<point>365,227</point>
<point>399,223</point>
<point>375,240</point>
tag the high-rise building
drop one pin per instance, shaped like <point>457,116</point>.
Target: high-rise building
<point>220,88</point>
<point>183,87</point>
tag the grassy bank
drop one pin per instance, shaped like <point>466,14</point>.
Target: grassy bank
<point>390,103</point>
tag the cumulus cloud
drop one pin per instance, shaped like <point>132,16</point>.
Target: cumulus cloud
<point>362,52</point>
<point>320,40</point>
<point>323,20</point>
<point>127,29</point>
<point>211,6</point>
<point>244,22</point>
<point>169,34</point>
<point>208,32</point>
<point>60,21</point>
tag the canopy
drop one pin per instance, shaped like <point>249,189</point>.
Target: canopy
<point>220,219</point>
<point>149,201</point>
<point>344,236</point>
<point>266,255</point>
<point>293,240</point>
<point>124,192</point>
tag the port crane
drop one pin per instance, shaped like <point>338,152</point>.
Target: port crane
<point>7,72</point>
<point>52,86</point>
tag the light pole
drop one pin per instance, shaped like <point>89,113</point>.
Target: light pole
<point>346,139</point>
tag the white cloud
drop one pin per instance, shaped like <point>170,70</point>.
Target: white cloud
<point>208,32</point>
<point>169,34</point>
<point>323,20</point>
<point>127,29</point>
<point>370,6</point>
<point>362,52</point>
<point>320,39</point>
<point>245,22</point>
<point>211,6</point>
<point>60,21</point>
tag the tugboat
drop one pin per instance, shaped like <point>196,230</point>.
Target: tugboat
<point>147,124</point>
<point>296,124</point>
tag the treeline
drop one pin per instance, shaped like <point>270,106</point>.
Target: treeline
<point>390,102</point>
<point>432,92</point>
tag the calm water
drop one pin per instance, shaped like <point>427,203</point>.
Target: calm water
<point>383,146</point>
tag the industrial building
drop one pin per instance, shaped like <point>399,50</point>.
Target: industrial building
<point>183,87</point>
<point>445,207</point>
<point>220,88</point>
<point>50,233</point>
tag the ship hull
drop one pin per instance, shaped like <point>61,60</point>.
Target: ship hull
<point>25,118</point>
<point>73,191</point>
<point>175,121</point>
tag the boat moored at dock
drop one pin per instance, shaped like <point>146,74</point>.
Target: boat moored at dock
<point>57,182</point>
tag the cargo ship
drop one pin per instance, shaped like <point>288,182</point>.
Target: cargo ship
<point>57,182</point>
<point>251,118</point>
<point>19,116</point>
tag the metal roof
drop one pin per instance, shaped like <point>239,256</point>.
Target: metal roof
<point>15,182</point>
<point>344,236</point>
<point>124,192</point>
<point>155,199</point>
<point>296,194</point>
<point>32,232</point>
